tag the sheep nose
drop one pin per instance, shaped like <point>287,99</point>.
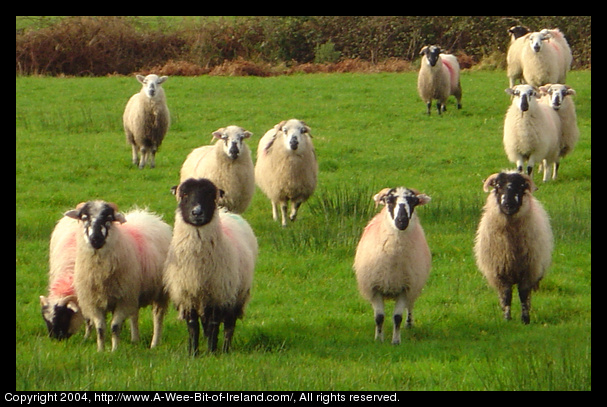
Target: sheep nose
<point>197,210</point>
<point>524,103</point>
<point>234,151</point>
<point>294,143</point>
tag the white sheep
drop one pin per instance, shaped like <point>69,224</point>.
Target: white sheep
<point>228,164</point>
<point>210,264</point>
<point>118,267</point>
<point>513,244</point>
<point>438,78</point>
<point>556,96</point>
<point>538,58</point>
<point>286,168</point>
<point>60,309</point>
<point>146,120</point>
<point>531,131</point>
<point>392,257</point>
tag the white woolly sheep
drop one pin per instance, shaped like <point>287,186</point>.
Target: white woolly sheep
<point>210,264</point>
<point>60,309</point>
<point>531,131</point>
<point>228,164</point>
<point>146,120</point>
<point>438,78</point>
<point>539,58</point>
<point>286,167</point>
<point>392,258</point>
<point>555,96</point>
<point>118,267</point>
<point>513,244</point>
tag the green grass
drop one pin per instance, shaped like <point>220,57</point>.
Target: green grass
<point>306,326</point>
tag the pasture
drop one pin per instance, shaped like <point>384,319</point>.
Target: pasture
<point>306,327</point>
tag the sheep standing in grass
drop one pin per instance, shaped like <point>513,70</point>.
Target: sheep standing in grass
<point>118,267</point>
<point>392,258</point>
<point>438,78</point>
<point>286,168</point>
<point>228,164</point>
<point>513,243</point>
<point>209,268</point>
<point>146,120</point>
<point>531,131</point>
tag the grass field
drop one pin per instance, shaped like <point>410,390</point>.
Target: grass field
<point>306,327</point>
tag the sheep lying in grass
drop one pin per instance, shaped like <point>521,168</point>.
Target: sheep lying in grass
<point>438,78</point>
<point>513,243</point>
<point>146,120</point>
<point>228,164</point>
<point>392,258</point>
<point>118,267</point>
<point>531,131</point>
<point>286,168</point>
<point>209,268</point>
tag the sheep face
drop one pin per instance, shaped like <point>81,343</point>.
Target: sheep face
<point>151,84</point>
<point>400,203</point>
<point>96,218</point>
<point>432,54</point>
<point>233,139</point>
<point>557,94</point>
<point>62,317</point>
<point>510,190</point>
<point>536,40</point>
<point>524,95</point>
<point>293,132</point>
<point>197,200</point>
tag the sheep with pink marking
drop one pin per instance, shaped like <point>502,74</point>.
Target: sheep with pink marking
<point>438,78</point>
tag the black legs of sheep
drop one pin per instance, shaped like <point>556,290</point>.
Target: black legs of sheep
<point>211,320</point>
<point>505,295</point>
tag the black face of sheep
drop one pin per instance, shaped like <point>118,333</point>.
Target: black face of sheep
<point>401,202</point>
<point>58,319</point>
<point>197,200</point>
<point>510,189</point>
<point>432,53</point>
<point>97,218</point>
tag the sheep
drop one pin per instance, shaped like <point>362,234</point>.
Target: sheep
<point>517,31</point>
<point>60,309</point>
<point>146,120</point>
<point>210,264</point>
<point>555,96</point>
<point>228,164</point>
<point>536,63</point>
<point>287,169</point>
<point>531,130</point>
<point>392,258</point>
<point>514,242</point>
<point>118,267</point>
<point>438,78</point>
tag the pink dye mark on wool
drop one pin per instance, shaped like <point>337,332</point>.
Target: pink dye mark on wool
<point>64,286</point>
<point>452,73</point>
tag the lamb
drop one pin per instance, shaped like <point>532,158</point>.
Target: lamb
<point>513,244</point>
<point>555,96</point>
<point>438,78</point>
<point>286,168</point>
<point>210,264</point>
<point>536,63</point>
<point>118,267</point>
<point>531,131</point>
<point>146,120</point>
<point>228,164</point>
<point>392,259</point>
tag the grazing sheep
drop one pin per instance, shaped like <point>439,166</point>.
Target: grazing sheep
<point>146,120</point>
<point>531,130</point>
<point>286,167</point>
<point>513,243</point>
<point>555,96</point>
<point>209,268</point>
<point>60,309</point>
<point>438,78</point>
<point>392,258</point>
<point>118,267</point>
<point>228,164</point>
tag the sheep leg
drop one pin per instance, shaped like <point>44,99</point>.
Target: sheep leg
<point>135,158</point>
<point>100,327</point>
<point>158,311</point>
<point>399,308</point>
<point>294,208</point>
<point>555,170</point>
<point>505,294</point>
<point>210,326</point>
<point>377,302</point>
<point>116,324</point>
<point>525,297</point>
<point>191,318</point>
<point>135,327</point>
<point>274,211</point>
<point>229,324</point>
<point>152,157</point>
<point>546,171</point>
<point>143,152</point>
<point>428,107</point>
<point>439,107</point>
<point>283,213</point>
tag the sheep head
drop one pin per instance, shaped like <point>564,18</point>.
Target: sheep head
<point>536,39</point>
<point>523,96</point>
<point>151,84</point>
<point>233,139</point>
<point>557,93</point>
<point>432,53</point>
<point>293,132</point>
<point>97,218</point>
<point>197,200</point>
<point>511,190</point>
<point>62,316</point>
<point>400,203</point>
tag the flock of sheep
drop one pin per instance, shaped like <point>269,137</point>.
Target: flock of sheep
<point>104,261</point>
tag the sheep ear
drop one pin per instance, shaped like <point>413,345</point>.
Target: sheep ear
<point>423,50</point>
<point>218,133</point>
<point>140,78</point>
<point>174,189</point>
<point>423,199</point>
<point>570,90</point>
<point>74,214</point>
<point>509,91</point>
<point>119,217</point>
<point>279,125</point>
<point>530,185</point>
<point>544,89</point>
<point>43,301</point>
<point>379,197</point>
<point>247,134</point>
<point>162,79</point>
<point>490,182</point>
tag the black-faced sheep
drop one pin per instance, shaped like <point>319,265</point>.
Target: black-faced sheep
<point>209,268</point>
<point>146,120</point>
<point>118,267</point>
<point>228,165</point>
<point>438,78</point>
<point>392,258</point>
<point>286,168</point>
<point>531,131</point>
<point>513,244</point>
